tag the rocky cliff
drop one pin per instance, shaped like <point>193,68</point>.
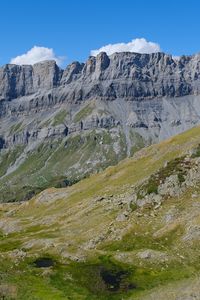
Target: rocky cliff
<point>58,125</point>
<point>131,76</point>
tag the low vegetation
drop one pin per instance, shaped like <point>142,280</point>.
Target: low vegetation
<point>59,118</point>
<point>84,112</point>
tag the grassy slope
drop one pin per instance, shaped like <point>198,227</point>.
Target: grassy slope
<point>52,163</point>
<point>84,235</point>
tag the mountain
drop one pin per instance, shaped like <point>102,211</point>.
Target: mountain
<point>58,126</point>
<point>129,232</point>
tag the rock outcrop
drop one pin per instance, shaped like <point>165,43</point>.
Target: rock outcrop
<point>18,81</point>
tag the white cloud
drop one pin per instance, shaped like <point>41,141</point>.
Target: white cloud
<point>136,45</point>
<point>36,54</point>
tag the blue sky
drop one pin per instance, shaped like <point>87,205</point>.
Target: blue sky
<point>74,28</point>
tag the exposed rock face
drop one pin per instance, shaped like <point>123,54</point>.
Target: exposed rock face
<point>122,75</point>
<point>153,85</point>
<point>17,81</point>
<point>135,99</point>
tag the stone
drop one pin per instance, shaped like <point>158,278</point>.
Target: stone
<point>123,216</point>
<point>153,255</point>
<point>100,198</point>
<point>170,187</point>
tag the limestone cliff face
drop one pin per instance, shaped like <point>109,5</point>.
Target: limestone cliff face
<point>128,99</point>
<point>142,91</point>
<point>17,81</point>
<point>128,75</point>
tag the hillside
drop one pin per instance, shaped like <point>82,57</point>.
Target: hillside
<point>58,126</point>
<point>129,232</point>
